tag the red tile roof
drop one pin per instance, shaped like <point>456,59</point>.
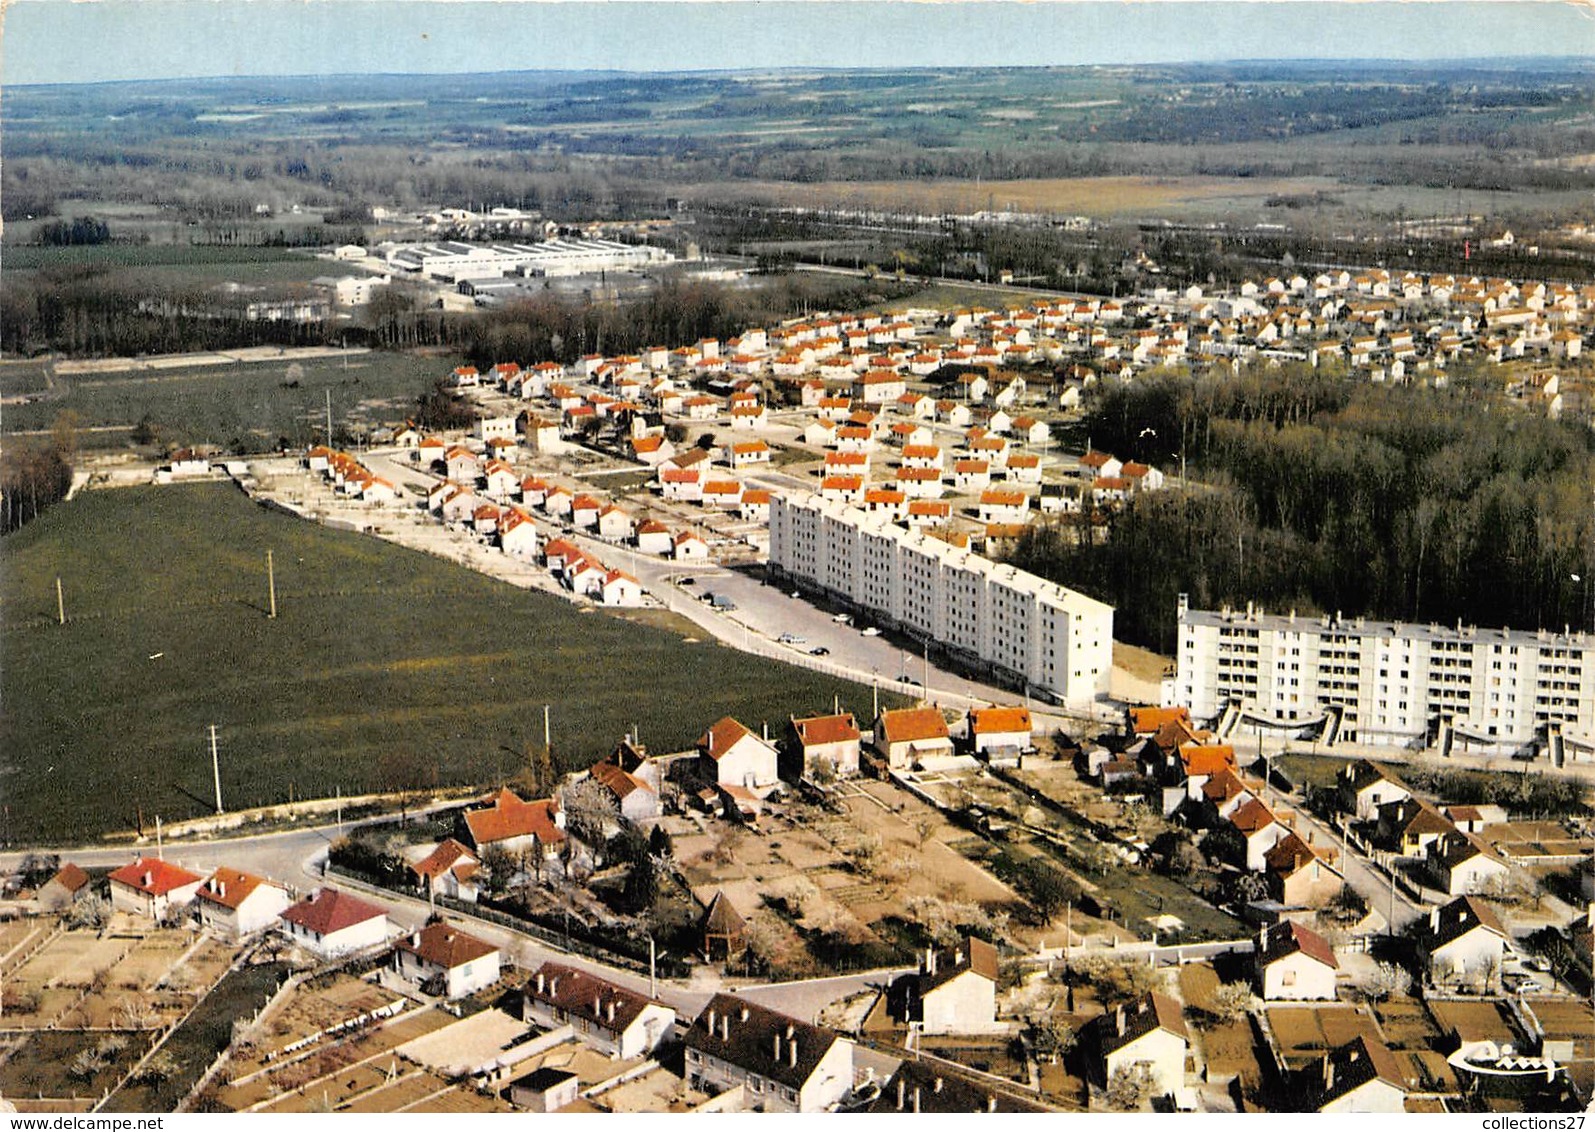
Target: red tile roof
<point>998,720</point>
<point>229,887</point>
<point>819,729</point>
<point>720,738</point>
<point>153,876</point>
<point>509,816</point>
<point>444,945</point>
<point>449,856</point>
<point>328,911</point>
<point>909,725</point>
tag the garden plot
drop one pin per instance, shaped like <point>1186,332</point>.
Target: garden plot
<point>1306,1033</point>
<point>463,1100</point>
<point>148,964</point>
<point>17,937</point>
<point>65,1066</point>
<point>75,959</point>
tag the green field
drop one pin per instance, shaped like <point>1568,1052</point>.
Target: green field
<point>33,258</point>
<point>252,403</point>
<point>385,668</point>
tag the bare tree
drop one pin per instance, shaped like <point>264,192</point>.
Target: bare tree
<point>1130,1087</point>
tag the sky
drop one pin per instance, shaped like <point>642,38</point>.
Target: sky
<point>64,41</point>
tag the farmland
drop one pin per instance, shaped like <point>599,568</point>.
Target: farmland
<point>386,669</point>
<point>244,408</point>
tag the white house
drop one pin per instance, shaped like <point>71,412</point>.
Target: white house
<point>449,870</point>
<point>1149,1033</point>
<point>609,1018</point>
<point>1364,787</point>
<point>1362,1076</point>
<point>153,887</point>
<point>236,904</point>
<point>999,728</point>
<point>909,735</point>
<point>331,923</point>
<point>1463,944</point>
<point>1463,865</point>
<point>832,738</point>
<point>731,755</point>
<point>949,994</point>
<point>443,960</point>
<point>783,1064</point>
<point>1293,962</point>
<point>689,547</point>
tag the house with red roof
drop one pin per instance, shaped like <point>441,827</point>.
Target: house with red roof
<point>442,960</point>
<point>153,887</point>
<point>834,739</point>
<point>635,796</point>
<point>612,1019</point>
<point>911,735</point>
<point>517,826</point>
<point>993,729</point>
<point>731,755</point>
<point>449,870</point>
<point>687,546</point>
<point>69,885</point>
<point>619,588</point>
<point>652,537</point>
<point>1293,962</point>
<point>330,923</point>
<point>235,904</point>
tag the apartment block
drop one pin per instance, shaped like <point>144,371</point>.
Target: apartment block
<point>1390,682</point>
<point>1022,628</point>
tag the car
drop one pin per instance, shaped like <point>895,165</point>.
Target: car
<point>796,593</point>
<point>912,680</point>
<point>821,651</point>
<point>686,581</point>
<point>791,639</point>
<point>872,631</point>
<point>843,618</point>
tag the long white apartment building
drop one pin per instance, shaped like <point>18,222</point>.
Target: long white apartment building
<point>452,260</point>
<point>1390,682</point>
<point>1022,628</point>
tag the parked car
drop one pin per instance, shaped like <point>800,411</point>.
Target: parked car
<point>821,651</point>
<point>686,581</point>
<point>791,639</point>
<point>872,631</point>
<point>843,619</point>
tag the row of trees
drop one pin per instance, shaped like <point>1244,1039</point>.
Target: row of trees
<point>1327,495</point>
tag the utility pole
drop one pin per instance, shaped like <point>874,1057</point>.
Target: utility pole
<point>329,418</point>
<point>216,769</point>
<point>60,602</point>
<point>271,585</point>
<point>548,743</point>
<point>653,980</point>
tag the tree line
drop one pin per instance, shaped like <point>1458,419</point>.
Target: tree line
<point>1325,495</point>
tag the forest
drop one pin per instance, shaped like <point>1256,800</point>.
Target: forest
<point>1318,494</point>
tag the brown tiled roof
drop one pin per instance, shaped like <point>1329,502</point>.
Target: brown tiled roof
<point>1287,938</point>
<point>1123,1025</point>
<point>1454,920</point>
<point>919,1087</point>
<point>229,887</point>
<point>618,782</point>
<point>586,996</point>
<point>759,1040</point>
<point>720,738</point>
<point>1356,1063</point>
<point>444,945</point>
<point>909,725</point>
<point>509,816</point>
<point>70,877</point>
<point>153,876</point>
<point>1251,816</point>
<point>328,910</point>
<point>449,856</point>
<point>998,720</point>
<point>819,729</point>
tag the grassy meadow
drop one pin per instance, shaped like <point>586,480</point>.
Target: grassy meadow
<point>385,668</point>
<point>248,405</point>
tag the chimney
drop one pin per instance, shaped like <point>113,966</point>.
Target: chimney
<point>938,1084</point>
<point>711,1020</point>
<point>991,1103</point>
<point>744,1013</point>
<point>540,982</point>
<point>221,889</point>
<point>916,1098</point>
<point>902,1091</point>
<point>930,960</point>
<point>778,1047</point>
<point>553,985</point>
<point>598,1005</point>
<point>611,1010</point>
<point>725,1027</point>
<point>415,939</point>
<point>791,1051</point>
<point>149,879</point>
